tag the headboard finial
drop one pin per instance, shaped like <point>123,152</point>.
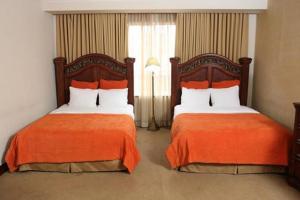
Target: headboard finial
<point>175,60</point>
<point>60,79</point>
<point>129,60</point>
<point>60,60</point>
<point>130,73</point>
<point>245,61</point>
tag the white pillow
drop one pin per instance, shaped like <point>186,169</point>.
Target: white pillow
<point>195,97</point>
<point>225,97</point>
<point>113,97</point>
<point>83,97</point>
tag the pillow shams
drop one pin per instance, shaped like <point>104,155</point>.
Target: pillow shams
<point>195,97</point>
<point>113,97</point>
<point>225,84</point>
<point>226,97</point>
<point>83,97</point>
<point>195,84</point>
<point>84,84</point>
<point>111,84</point>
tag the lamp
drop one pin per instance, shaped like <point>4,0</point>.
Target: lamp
<point>153,66</point>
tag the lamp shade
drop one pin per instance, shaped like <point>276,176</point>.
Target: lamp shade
<point>152,65</point>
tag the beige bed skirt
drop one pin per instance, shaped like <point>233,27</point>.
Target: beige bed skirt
<point>232,169</point>
<point>98,166</point>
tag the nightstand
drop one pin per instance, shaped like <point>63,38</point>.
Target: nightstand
<point>294,165</point>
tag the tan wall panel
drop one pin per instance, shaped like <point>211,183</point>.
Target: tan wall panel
<point>277,61</point>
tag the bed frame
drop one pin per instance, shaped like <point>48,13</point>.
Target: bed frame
<point>211,67</point>
<point>91,67</point>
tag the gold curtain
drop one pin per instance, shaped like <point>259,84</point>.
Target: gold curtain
<point>79,34</point>
<point>152,35</point>
<point>222,33</point>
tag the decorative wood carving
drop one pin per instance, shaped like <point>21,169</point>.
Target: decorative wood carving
<point>92,67</point>
<point>211,67</point>
<point>209,60</point>
<point>95,61</point>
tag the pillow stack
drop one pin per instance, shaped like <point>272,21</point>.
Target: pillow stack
<point>111,93</point>
<point>222,94</point>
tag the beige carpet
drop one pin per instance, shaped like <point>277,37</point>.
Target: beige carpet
<point>151,180</point>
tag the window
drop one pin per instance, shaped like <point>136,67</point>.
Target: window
<point>156,40</point>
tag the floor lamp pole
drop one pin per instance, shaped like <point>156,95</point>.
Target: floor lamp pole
<point>153,125</point>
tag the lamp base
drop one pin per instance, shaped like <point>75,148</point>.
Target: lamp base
<point>153,125</point>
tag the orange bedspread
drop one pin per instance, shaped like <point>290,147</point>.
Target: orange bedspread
<point>60,138</point>
<point>227,139</point>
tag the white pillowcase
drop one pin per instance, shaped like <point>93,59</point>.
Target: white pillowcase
<point>113,97</point>
<point>83,97</point>
<point>195,97</point>
<point>225,97</point>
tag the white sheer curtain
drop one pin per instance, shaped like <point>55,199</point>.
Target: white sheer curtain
<point>152,35</point>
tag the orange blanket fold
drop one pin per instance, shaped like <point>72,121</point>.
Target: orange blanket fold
<point>227,139</point>
<point>59,138</point>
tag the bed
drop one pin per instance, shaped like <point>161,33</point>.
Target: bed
<point>80,139</point>
<point>233,140</point>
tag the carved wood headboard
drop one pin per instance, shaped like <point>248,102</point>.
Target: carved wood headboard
<point>91,67</point>
<point>211,67</point>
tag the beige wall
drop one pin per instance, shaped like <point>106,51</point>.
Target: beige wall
<point>277,60</point>
<point>27,88</point>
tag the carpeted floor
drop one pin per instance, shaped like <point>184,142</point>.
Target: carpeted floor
<point>151,180</point>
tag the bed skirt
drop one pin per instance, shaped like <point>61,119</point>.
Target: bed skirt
<point>98,166</point>
<point>232,169</point>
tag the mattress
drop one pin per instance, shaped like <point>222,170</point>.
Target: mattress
<point>179,109</point>
<point>66,109</point>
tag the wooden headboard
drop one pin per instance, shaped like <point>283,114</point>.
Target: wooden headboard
<point>211,67</point>
<point>91,67</point>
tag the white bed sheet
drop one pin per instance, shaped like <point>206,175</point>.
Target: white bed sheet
<point>179,109</point>
<point>66,109</point>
